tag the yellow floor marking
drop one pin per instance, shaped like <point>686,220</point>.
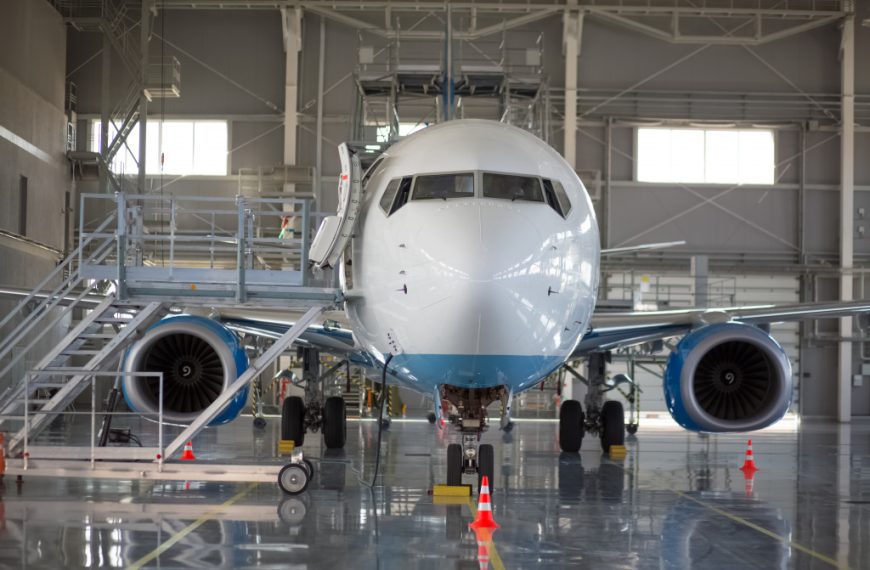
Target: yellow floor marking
<point>765,532</point>
<point>189,529</point>
<point>494,558</point>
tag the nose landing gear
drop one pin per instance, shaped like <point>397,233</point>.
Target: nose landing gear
<point>470,457</point>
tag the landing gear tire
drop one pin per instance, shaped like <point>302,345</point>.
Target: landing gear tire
<point>306,463</point>
<point>612,425</point>
<point>454,464</point>
<point>571,419</point>
<point>335,423</point>
<point>485,466</point>
<point>293,478</point>
<point>293,420</point>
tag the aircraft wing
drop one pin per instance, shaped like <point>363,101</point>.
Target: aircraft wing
<point>610,330</point>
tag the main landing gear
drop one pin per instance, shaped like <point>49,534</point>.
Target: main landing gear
<point>608,423</point>
<point>470,457</point>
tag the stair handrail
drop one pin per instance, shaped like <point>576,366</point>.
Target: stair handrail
<point>59,292</point>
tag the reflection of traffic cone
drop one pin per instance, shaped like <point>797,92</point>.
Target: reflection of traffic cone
<point>187,485</point>
<point>484,540</point>
<point>749,480</point>
<point>484,508</point>
<point>188,455</point>
<point>749,462</point>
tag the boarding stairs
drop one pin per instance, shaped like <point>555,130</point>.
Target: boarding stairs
<point>149,256</point>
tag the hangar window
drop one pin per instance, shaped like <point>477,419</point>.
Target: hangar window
<point>712,156</point>
<point>188,147</point>
<point>512,187</point>
<point>443,186</point>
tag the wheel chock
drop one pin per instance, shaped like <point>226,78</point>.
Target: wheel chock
<point>617,451</point>
<point>451,490</point>
<point>286,446</point>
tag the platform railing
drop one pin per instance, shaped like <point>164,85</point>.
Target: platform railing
<point>154,451</point>
<point>203,245</point>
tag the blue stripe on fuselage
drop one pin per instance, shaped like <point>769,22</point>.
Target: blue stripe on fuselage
<point>423,372</point>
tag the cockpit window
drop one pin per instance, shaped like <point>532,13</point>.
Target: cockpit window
<point>512,187</point>
<point>550,196</point>
<point>562,196</point>
<point>389,195</point>
<point>443,186</point>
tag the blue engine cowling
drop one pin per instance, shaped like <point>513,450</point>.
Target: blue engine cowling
<point>728,377</point>
<point>199,359</point>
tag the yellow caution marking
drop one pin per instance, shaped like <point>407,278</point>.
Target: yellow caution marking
<point>765,532</point>
<point>173,540</point>
<point>451,490</point>
<point>286,446</point>
<point>494,558</point>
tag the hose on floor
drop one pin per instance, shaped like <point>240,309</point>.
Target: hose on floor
<point>384,391</point>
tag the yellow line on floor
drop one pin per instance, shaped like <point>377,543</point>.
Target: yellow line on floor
<point>190,528</point>
<point>494,558</point>
<point>764,531</point>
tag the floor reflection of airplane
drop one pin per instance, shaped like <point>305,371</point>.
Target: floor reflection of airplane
<point>469,257</point>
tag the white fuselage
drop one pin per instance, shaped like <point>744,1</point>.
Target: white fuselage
<point>473,291</point>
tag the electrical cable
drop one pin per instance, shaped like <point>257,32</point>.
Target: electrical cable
<point>380,421</point>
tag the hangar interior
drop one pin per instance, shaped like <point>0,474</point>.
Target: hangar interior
<point>730,130</point>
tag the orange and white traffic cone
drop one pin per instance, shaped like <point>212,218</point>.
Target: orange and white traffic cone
<point>187,454</point>
<point>749,462</point>
<point>484,508</point>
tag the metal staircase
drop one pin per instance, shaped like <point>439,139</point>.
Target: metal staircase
<point>64,380</point>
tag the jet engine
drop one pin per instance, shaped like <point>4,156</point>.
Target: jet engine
<point>199,359</point>
<point>727,377</point>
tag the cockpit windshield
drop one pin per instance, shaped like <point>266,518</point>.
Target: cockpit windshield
<point>512,187</point>
<point>443,186</point>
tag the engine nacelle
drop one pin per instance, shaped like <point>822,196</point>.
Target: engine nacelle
<point>728,377</point>
<point>199,359</point>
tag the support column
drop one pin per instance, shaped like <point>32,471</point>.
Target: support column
<point>105,109</point>
<point>571,31</point>
<point>847,207</point>
<point>321,72</point>
<point>291,20</point>
<point>145,35</point>
<point>700,286</point>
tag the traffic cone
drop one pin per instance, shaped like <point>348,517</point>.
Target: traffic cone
<point>749,462</point>
<point>188,455</point>
<point>484,508</point>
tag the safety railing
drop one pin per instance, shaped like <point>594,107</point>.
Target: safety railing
<point>93,451</point>
<point>199,245</point>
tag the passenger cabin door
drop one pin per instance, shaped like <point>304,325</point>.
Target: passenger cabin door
<point>334,233</point>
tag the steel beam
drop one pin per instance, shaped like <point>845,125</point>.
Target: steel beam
<point>144,38</point>
<point>847,206</point>
<point>572,29</point>
<point>291,20</point>
<point>318,160</point>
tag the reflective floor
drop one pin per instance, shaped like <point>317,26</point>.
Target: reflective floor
<point>677,500</point>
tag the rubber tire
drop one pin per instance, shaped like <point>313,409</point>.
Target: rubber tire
<point>485,466</point>
<point>454,464</point>
<point>612,425</point>
<point>571,431</point>
<point>293,420</point>
<point>297,470</point>
<point>335,423</point>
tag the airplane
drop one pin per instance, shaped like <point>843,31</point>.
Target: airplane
<point>469,255</point>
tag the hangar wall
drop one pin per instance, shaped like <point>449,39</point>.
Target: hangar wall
<point>748,230</point>
<point>32,146</point>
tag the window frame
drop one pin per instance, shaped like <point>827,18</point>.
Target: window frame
<point>636,153</point>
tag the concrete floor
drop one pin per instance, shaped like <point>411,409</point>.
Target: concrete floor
<point>678,500</point>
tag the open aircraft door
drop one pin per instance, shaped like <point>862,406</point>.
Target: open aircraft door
<point>335,232</point>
